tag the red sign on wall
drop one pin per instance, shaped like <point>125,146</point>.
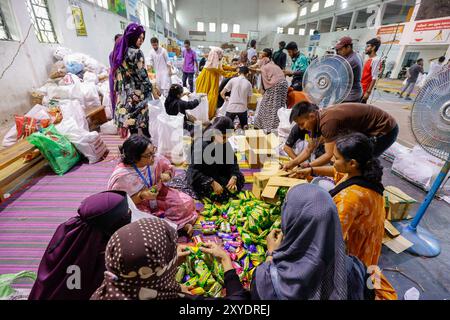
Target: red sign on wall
<point>239,35</point>
<point>432,25</point>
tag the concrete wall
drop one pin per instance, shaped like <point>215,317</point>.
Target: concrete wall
<point>32,65</point>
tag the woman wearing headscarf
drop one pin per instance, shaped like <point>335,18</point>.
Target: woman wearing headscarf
<point>360,201</point>
<point>81,242</point>
<point>142,260</point>
<point>214,171</point>
<point>132,86</point>
<point>208,81</point>
<point>275,92</point>
<point>143,175</point>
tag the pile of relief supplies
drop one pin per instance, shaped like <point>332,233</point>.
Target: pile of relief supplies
<point>418,167</point>
<point>76,84</point>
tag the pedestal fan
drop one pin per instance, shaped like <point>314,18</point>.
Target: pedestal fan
<point>430,120</point>
<point>328,80</point>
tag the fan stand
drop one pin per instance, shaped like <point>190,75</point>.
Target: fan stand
<point>425,243</point>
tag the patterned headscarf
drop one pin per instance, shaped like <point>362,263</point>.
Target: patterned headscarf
<point>311,261</point>
<point>214,58</point>
<point>141,263</point>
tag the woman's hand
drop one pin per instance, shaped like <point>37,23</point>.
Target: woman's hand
<point>289,166</point>
<point>166,177</point>
<point>232,184</point>
<point>301,173</point>
<point>218,189</point>
<point>191,118</point>
<point>182,253</point>
<point>274,240</point>
<point>216,251</point>
<point>148,195</point>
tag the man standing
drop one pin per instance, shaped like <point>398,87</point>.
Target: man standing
<point>280,57</point>
<point>241,92</point>
<point>412,74</point>
<point>252,51</point>
<point>436,67</point>
<point>299,66</point>
<point>159,60</point>
<point>344,48</point>
<point>371,68</point>
<point>190,65</point>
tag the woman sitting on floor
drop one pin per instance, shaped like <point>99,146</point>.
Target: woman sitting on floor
<point>81,242</point>
<point>359,199</point>
<point>143,174</point>
<point>149,258</point>
<point>214,171</point>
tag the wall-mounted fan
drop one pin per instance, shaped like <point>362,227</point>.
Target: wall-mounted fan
<point>328,80</point>
<point>430,121</point>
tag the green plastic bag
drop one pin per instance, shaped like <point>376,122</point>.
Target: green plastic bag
<point>57,149</point>
<point>6,281</point>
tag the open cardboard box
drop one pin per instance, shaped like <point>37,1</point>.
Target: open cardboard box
<point>260,148</point>
<point>260,179</point>
<point>269,193</point>
<point>394,240</point>
<point>398,203</point>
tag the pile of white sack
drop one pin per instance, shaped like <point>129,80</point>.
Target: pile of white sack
<point>76,83</point>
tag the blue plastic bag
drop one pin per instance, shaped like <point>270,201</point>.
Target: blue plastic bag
<point>74,67</point>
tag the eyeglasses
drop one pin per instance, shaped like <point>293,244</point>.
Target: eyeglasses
<point>150,155</point>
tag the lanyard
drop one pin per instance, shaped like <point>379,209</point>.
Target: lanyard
<point>149,171</point>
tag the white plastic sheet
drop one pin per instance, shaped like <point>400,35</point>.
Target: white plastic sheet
<point>72,109</point>
<point>109,128</point>
<point>285,126</point>
<point>70,92</point>
<point>91,98</point>
<point>201,113</point>
<point>170,136</point>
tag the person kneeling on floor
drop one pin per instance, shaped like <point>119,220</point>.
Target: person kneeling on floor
<point>143,174</point>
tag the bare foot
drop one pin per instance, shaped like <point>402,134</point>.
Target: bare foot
<point>189,229</point>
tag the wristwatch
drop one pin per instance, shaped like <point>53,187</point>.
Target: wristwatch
<point>269,254</point>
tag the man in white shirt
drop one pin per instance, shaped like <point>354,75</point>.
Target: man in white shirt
<point>241,92</point>
<point>252,51</point>
<point>159,60</point>
<point>436,67</point>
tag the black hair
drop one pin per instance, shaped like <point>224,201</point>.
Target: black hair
<point>441,59</point>
<point>268,52</point>
<point>133,148</point>
<point>374,43</point>
<point>187,42</point>
<point>302,109</point>
<point>117,36</point>
<point>359,147</point>
<point>244,70</point>
<point>419,60</point>
<point>174,91</point>
<point>292,46</point>
<point>282,44</point>
<point>154,40</point>
<point>253,43</point>
<point>222,124</point>
<point>235,59</point>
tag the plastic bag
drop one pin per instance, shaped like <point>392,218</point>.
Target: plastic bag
<point>109,128</point>
<point>90,77</point>
<point>170,136</point>
<point>89,144</point>
<point>37,112</point>
<point>58,70</point>
<point>57,149</point>
<point>69,79</point>
<point>176,80</point>
<point>74,67</point>
<point>26,126</point>
<point>91,98</point>
<point>61,52</point>
<point>155,108</point>
<point>285,126</point>
<point>72,109</point>
<point>201,113</point>
<point>71,92</point>
<point>7,280</point>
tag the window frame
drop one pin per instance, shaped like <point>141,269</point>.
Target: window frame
<point>41,33</point>
<point>4,26</point>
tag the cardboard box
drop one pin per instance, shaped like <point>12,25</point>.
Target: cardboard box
<point>269,193</point>
<point>257,157</point>
<point>398,203</point>
<point>394,240</point>
<point>254,100</point>
<point>260,179</point>
<point>256,139</point>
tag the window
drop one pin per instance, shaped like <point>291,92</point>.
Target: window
<point>143,14</point>
<point>40,17</point>
<point>311,32</point>
<point>4,32</point>
<point>315,7</point>
<point>101,3</point>
<point>152,5</point>
<point>200,26</point>
<point>328,3</point>
<point>170,8</point>
<point>167,16</point>
<point>343,21</point>
<point>291,31</point>
<point>174,23</point>
<point>280,30</point>
<point>325,25</point>
<point>303,11</point>
<point>301,31</point>
<point>400,11</point>
<point>236,28</point>
<point>344,4</point>
<point>224,27</point>
<point>212,27</point>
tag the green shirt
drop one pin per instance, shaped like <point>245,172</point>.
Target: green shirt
<point>300,63</point>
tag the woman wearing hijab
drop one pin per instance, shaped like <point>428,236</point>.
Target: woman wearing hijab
<point>360,201</point>
<point>132,87</point>
<point>275,92</point>
<point>214,171</point>
<point>143,175</point>
<point>81,242</point>
<point>208,81</point>
<point>142,260</point>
